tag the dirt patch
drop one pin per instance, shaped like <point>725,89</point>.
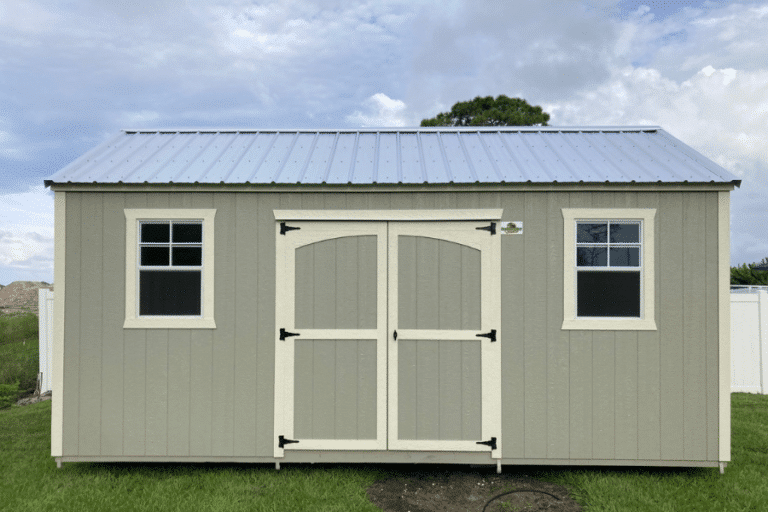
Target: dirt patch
<point>468,491</point>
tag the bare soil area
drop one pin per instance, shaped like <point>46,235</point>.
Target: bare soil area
<point>467,489</point>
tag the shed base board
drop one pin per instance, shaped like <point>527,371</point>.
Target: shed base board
<point>397,458</point>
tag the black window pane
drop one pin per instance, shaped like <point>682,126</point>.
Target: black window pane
<point>169,293</point>
<point>625,233</point>
<point>187,233</point>
<point>625,256</point>
<point>591,256</point>
<point>154,256</point>
<point>187,255</point>
<point>608,294</point>
<point>590,233</point>
<point>155,232</point>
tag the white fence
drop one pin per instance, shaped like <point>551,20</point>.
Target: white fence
<point>45,325</point>
<point>749,340</point>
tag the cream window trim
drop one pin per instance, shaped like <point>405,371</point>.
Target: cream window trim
<point>386,215</point>
<point>132,218</point>
<point>647,320</point>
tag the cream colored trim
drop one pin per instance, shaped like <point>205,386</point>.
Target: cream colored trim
<point>724,323</point>
<point>447,446</point>
<point>132,319</point>
<point>337,444</point>
<point>397,215</point>
<point>648,320</point>
<point>490,252</point>
<point>285,314</point>
<point>311,188</point>
<point>59,281</point>
<point>284,298</point>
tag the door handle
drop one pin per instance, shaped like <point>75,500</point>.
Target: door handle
<point>394,335</point>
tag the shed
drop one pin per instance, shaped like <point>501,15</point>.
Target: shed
<point>505,295</point>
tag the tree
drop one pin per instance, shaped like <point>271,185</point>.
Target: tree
<point>745,274</point>
<point>502,111</point>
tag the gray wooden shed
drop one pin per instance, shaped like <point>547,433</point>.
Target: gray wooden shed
<point>512,295</point>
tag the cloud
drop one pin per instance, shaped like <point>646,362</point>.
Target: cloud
<point>26,234</point>
<point>381,111</point>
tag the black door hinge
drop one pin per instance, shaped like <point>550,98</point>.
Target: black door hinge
<point>285,334</point>
<point>491,443</point>
<point>491,228</point>
<point>284,228</point>
<point>394,335</point>
<point>490,335</point>
<point>282,441</point>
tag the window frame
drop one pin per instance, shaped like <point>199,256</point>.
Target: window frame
<point>646,217</point>
<point>133,218</point>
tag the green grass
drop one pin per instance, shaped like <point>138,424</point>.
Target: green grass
<point>19,350</point>
<point>29,480</point>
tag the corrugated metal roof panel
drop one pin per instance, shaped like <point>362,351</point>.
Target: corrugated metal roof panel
<point>393,155</point>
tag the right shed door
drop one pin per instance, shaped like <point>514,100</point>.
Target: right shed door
<point>444,306</point>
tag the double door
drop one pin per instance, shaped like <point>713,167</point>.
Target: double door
<point>387,336</point>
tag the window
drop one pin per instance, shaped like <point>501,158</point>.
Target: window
<point>608,269</point>
<point>169,268</point>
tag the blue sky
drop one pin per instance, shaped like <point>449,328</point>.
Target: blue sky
<point>73,72</point>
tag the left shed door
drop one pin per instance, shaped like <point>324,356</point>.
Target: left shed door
<point>331,305</point>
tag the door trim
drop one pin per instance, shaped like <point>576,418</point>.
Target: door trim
<point>390,215</point>
<point>285,253</point>
<point>463,233</point>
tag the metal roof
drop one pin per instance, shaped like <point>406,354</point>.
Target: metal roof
<point>645,154</point>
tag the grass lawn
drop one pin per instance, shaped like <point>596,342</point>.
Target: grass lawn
<point>30,481</point>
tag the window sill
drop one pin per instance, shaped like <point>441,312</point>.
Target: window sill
<point>609,324</point>
<point>169,323</point>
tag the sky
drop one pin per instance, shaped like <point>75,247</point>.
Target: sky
<point>74,72</point>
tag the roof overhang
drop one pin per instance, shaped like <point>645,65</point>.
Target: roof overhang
<point>399,187</point>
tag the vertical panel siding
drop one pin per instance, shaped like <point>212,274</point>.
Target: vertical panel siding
<point>202,369</point>
<point>246,300</point>
<point>648,362</point>
<point>265,331</point>
<point>179,392</point>
<point>90,322</point>
<point>336,284</point>
<point>113,315</point>
<point>694,322</point>
<point>671,324</point>
<point>157,392</point>
<point>439,389</point>
<point>335,384</point>
<point>513,273</point>
<point>71,378</point>
<point>558,350</point>
<point>535,310</point>
<point>223,386</point>
<point>578,394</point>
